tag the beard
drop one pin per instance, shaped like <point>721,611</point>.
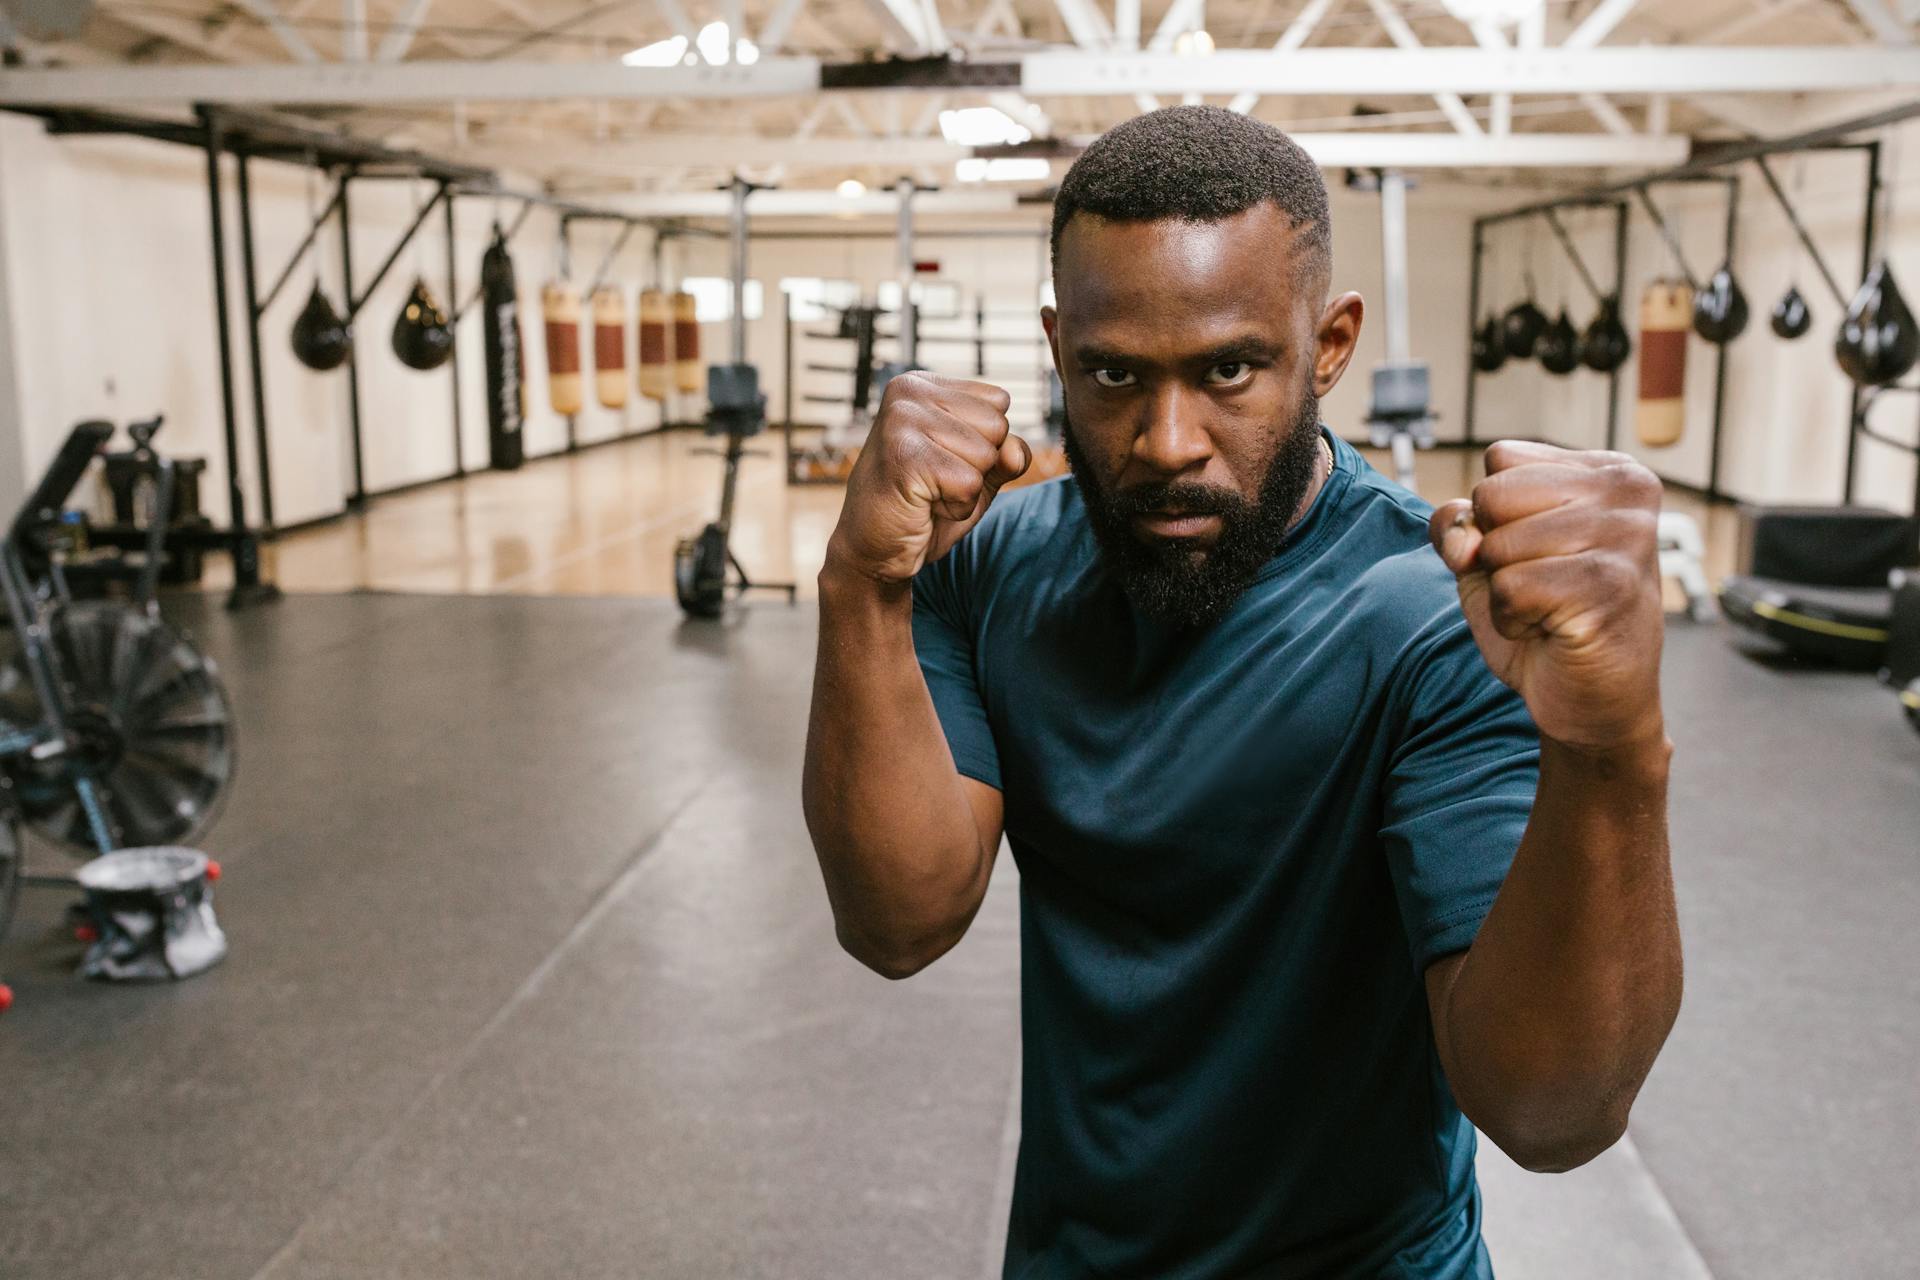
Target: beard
<point>1178,581</point>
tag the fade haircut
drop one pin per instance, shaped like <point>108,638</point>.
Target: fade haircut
<point>1199,164</point>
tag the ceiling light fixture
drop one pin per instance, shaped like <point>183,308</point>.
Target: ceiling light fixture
<point>1499,13</point>
<point>851,189</point>
<point>981,127</point>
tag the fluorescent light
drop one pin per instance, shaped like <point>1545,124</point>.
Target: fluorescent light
<point>981,127</point>
<point>1500,13</point>
<point>1002,170</point>
<point>851,189</point>
<point>712,42</point>
<point>746,53</point>
<point>661,53</point>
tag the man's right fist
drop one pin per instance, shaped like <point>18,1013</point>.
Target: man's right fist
<point>939,451</point>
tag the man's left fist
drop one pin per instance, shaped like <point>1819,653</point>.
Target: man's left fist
<point>1558,565</point>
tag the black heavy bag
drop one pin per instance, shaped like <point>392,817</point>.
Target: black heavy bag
<point>1720,309</point>
<point>1878,343</point>
<point>321,339</point>
<point>1489,347</point>
<point>1558,347</point>
<point>500,320</point>
<point>422,338</point>
<point>1521,329</point>
<point>1790,316</point>
<point>1605,345</point>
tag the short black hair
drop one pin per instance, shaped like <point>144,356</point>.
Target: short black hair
<point>1197,164</point>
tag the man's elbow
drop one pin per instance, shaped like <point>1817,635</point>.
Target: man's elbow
<point>892,961</point>
<point>1562,1144</point>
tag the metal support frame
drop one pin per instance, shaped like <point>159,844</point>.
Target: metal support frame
<point>908,343</point>
<point>1573,255</point>
<point>453,353</point>
<point>242,544</point>
<point>263,462</point>
<point>1706,166</point>
<point>1800,230</point>
<point>357,500</point>
<point>507,234</point>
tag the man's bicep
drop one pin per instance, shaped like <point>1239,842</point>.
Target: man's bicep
<point>1440,976</point>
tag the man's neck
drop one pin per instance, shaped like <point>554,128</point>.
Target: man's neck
<point>1322,472</point>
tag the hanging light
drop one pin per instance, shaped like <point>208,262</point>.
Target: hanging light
<point>851,189</point>
<point>1193,44</point>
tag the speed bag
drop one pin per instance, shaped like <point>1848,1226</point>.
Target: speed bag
<point>1666,316</point>
<point>610,347</point>
<point>686,343</point>
<point>656,356</point>
<point>560,305</point>
<point>500,320</point>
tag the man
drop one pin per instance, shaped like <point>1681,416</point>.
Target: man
<point>1330,847</point>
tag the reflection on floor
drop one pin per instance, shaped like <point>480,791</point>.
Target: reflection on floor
<point>603,522</point>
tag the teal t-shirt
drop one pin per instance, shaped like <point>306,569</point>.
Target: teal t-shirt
<point>1239,850</point>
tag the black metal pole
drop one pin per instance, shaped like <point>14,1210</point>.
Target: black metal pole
<point>1856,410</point>
<point>245,551</point>
<point>1619,300</point>
<point>979,337</point>
<point>263,462</point>
<point>453,357</point>
<point>306,243</point>
<point>357,500</point>
<point>586,319</point>
<point>1720,359</point>
<point>1473,318</point>
<point>1800,230</point>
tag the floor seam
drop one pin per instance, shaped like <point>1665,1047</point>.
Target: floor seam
<point>602,902</point>
<point>1666,1203</point>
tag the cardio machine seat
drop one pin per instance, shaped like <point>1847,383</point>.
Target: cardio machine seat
<point>1817,579</point>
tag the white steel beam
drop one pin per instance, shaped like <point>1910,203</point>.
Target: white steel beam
<point>810,204</point>
<point>1886,28</point>
<point>1402,35</point>
<point>1181,16</point>
<point>902,23</point>
<point>1126,23</point>
<point>353,30</point>
<point>1307,72</point>
<point>1086,25</point>
<point>294,43</point>
<point>1607,114</point>
<point>1292,38</point>
<point>774,34</point>
<point>400,35</point>
<point>1599,24</point>
<point>1757,15</point>
<point>677,21</point>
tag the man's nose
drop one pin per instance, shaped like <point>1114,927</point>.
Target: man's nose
<point>1172,439</point>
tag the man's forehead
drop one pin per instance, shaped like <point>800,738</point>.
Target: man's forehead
<point>1107,261</point>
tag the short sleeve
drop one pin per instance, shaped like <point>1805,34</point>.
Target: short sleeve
<point>1458,794</point>
<point>943,640</point>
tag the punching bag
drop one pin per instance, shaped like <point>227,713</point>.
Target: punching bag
<point>610,346</point>
<point>1521,328</point>
<point>1720,309</point>
<point>1489,347</point>
<point>656,313</point>
<point>686,343</point>
<point>500,319</point>
<point>422,338</point>
<point>560,306</point>
<point>1605,345</point>
<point>1559,347</point>
<point>1877,343</point>
<point>1790,316</point>
<point>1666,310</point>
<point>321,339</point>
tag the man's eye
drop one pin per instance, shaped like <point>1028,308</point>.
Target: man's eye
<point>1232,371</point>
<point>1112,377</point>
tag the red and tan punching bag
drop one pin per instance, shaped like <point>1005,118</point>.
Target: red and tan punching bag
<point>656,354</point>
<point>686,343</point>
<point>560,304</point>
<point>610,346</point>
<point>1666,315</point>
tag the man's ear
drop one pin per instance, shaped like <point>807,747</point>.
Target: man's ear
<point>1050,321</point>
<point>1335,338</point>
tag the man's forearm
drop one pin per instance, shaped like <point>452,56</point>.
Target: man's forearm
<point>1558,1010</point>
<point>889,816</point>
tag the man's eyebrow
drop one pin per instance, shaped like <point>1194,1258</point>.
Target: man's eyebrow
<point>1248,347</point>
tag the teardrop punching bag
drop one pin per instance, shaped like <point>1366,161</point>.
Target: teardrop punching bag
<point>1521,329</point>
<point>1666,308</point>
<point>1489,347</point>
<point>560,307</point>
<point>321,339</point>
<point>686,343</point>
<point>1790,317</point>
<point>610,346</point>
<point>1558,347</point>
<point>422,338</point>
<point>1720,309</point>
<point>1605,345</point>
<point>500,321</point>
<point>1877,343</point>
<point>656,357</point>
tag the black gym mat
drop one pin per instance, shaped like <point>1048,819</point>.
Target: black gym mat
<point>532,975</point>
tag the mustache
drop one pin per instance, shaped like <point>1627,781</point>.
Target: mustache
<point>1187,498</point>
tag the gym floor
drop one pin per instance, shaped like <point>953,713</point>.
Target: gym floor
<point>532,973</point>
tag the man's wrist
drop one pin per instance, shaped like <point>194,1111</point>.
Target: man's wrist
<point>1645,755</point>
<point>842,582</point>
